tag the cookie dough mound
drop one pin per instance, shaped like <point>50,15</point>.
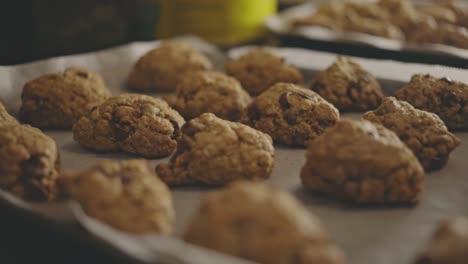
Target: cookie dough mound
<point>133,123</point>
<point>57,100</point>
<point>348,86</point>
<point>262,224</point>
<point>423,132</point>
<point>29,162</point>
<point>444,97</point>
<point>449,244</point>
<point>260,68</point>
<point>364,163</point>
<point>5,117</point>
<point>210,92</point>
<point>214,151</point>
<point>124,194</point>
<point>160,69</point>
<point>290,114</point>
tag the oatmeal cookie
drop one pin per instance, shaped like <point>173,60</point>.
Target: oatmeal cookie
<point>213,151</point>
<point>209,92</point>
<point>444,97</point>
<point>260,68</point>
<point>257,222</point>
<point>159,69</point>
<point>57,100</point>
<point>423,132</point>
<point>123,194</point>
<point>290,114</point>
<point>348,86</point>
<point>352,22</point>
<point>29,162</point>
<point>364,163</point>
<point>449,244</point>
<point>5,117</point>
<point>133,123</point>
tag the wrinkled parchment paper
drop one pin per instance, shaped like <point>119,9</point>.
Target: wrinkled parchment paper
<point>367,235</point>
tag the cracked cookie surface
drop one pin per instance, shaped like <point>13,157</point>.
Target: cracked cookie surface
<point>444,97</point>
<point>347,86</point>
<point>159,69</point>
<point>214,151</point>
<point>262,224</point>
<point>290,114</point>
<point>449,243</point>
<point>124,194</point>
<point>5,117</point>
<point>57,100</point>
<point>209,92</point>
<point>260,68</point>
<point>423,132</point>
<point>29,162</point>
<point>133,123</point>
<point>362,162</point>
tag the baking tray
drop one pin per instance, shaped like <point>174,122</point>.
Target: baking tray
<point>367,235</point>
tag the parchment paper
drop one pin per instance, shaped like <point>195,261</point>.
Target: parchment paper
<point>282,24</point>
<point>367,235</point>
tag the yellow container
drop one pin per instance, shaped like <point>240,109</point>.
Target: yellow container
<point>223,22</point>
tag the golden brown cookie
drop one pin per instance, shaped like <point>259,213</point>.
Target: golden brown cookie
<point>209,92</point>
<point>29,162</point>
<point>444,97</point>
<point>260,68</point>
<point>214,151</point>
<point>133,123</point>
<point>123,194</point>
<point>160,69</point>
<point>423,132</point>
<point>348,86</point>
<point>5,117</point>
<point>262,224</point>
<point>290,114</point>
<point>362,162</point>
<point>449,244</point>
<point>57,100</point>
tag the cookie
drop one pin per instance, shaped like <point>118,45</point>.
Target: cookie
<point>160,69</point>
<point>29,162</point>
<point>57,100</point>
<point>5,117</point>
<point>290,114</point>
<point>262,224</point>
<point>260,68</point>
<point>364,163</point>
<point>209,92</point>
<point>444,97</point>
<point>423,132</point>
<point>352,22</point>
<point>123,194</point>
<point>348,86</point>
<point>449,244</point>
<point>214,151</point>
<point>132,123</point>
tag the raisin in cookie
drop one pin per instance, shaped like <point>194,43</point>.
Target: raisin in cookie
<point>348,86</point>
<point>262,224</point>
<point>290,114</point>
<point>57,100</point>
<point>160,69</point>
<point>449,244</point>
<point>5,117</point>
<point>423,132</point>
<point>364,163</point>
<point>124,194</point>
<point>214,151</point>
<point>29,162</point>
<point>209,92</point>
<point>444,97</point>
<point>133,123</point>
<point>260,68</point>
